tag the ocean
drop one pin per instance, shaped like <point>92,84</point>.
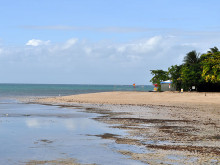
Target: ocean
<point>34,133</point>
<point>63,89</point>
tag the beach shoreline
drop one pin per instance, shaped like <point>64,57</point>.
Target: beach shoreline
<point>210,100</point>
<point>185,125</point>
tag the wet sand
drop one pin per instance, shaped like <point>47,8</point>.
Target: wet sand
<point>171,127</point>
<point>59,161</point>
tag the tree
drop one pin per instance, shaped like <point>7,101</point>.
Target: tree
<point>191,58</point>
<point>158,76</point>
<point>191,70</point>
<point>191,76</point>
<point>174,73</point>
<point>211,67</point>
<point>200,71</point>
<point>213,50</point>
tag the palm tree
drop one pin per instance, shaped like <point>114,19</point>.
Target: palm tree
<point>213,50</point>
<point>191,58</point>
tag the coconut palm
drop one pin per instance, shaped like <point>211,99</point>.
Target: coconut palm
<point>191,58</point>
<point>213,50</point>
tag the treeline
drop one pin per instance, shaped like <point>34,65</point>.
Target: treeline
<point>201,71</point>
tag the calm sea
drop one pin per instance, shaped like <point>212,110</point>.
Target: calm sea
<point>63,89</point>
<point>34,132</point>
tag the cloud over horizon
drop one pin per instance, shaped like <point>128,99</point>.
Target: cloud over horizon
<point>86,62</point>
<point>36,42</point>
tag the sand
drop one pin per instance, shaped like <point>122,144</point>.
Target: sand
<point>50,162</point>
<point>144,98</point>
<point>179,128</point>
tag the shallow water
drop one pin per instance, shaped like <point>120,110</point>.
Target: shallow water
<point>40,132</point>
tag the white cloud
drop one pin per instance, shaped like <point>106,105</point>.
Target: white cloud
<point>88,50</point>
<point>189,44</point>
<point>141,46</point>
<point>1,51</point>
<point>147,45</point>
<point>79,61</point>
<point>70,43</point>
<point>35,42</point>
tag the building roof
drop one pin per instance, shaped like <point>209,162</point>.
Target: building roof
<point>166,82</point>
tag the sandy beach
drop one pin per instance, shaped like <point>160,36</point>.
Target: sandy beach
<point>144,98</point>
<point>174,127</point>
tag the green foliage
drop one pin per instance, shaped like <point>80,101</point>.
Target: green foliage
<point>174,73</point>
<point>211,67</point>
<point>191,58</point>
<point>190,75</point>
<point>158,76</point>
<point>202,72</point>
<point>213,50</point>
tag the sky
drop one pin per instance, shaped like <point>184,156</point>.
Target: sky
<point>101,42</point>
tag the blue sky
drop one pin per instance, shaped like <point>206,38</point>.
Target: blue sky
<point>101,42</point>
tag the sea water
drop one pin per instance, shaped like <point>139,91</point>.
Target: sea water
<point>64,89</point>
<point>40,132</point>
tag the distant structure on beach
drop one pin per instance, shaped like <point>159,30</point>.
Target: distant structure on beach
<point>167,86</point>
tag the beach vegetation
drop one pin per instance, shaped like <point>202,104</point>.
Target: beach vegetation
<point>174,73</point>
<point>191,58</point>
<point>159,76</point>
<point>201,71</point>
<point>211,67</point>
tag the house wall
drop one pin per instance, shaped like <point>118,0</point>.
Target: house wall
<point>165,87</point>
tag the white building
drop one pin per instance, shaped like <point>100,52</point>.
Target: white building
<point>167,86</point>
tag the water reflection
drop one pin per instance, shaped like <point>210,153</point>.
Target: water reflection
<point>36,123</point>
<point>38,132</point>
<point>82,125</point>
<point>70,124</point>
